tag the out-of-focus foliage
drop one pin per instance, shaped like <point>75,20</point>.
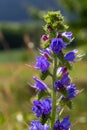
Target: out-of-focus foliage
<point>14,34</point>
<point>78,7</point>
<point>79,25</point>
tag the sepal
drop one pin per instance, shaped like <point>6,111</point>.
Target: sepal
<point>43,75</point>
<point>66,102</point>
<point>43,94</point>
<point>63,62</point>
<point>44,119</point>
<point>45,44</point>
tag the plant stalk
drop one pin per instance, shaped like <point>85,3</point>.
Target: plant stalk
<point>54,93</point>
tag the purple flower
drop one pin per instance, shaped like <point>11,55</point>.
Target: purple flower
<point>61,71</point>
<point>37,108</point>
<point>46,52</point>
<point>36,125</point>
<point>42,64</point>
<point>57,45</point>
<point>43,107</point>
<point>64,81</point>
<point>47,106</point>
<point>68,35</point>
<point>71,90</point>
<point>71,56</point>
<point>58,85</point>
<point>63,125</point>
<point>41,86</point>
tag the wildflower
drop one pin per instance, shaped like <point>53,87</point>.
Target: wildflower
<point>71,56</point>
<point>47,106</point>
<point>67,35</point>
<point>36,125</point>
<point>71,90</point>
<point>37,108</point>
<point>42,107</point>
<point>57,45</point>
<point>46,52</point>
<point>42,64</point>
<point>63,125</point>
<point>64,81</point>
<point>41,86</point>
<point>58,85</point>
<point>61,71</point>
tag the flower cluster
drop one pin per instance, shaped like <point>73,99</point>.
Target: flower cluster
<point>43,107</point>
<point>55,63</point>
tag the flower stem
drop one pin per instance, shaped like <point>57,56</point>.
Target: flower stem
<point>54,93</point>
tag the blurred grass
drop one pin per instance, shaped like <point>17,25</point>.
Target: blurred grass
<point>15,56</point>
<point>16,95</point>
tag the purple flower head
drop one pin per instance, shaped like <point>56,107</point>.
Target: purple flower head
<point>63,125</point>
<point>43,107</point>
<point>36,125</point>
<point>71,56</point>
<point>37,108</point>
<point>42,64</point>
<point>68,35</point>
<point>41,86</point>
<point>47,106</point>
<point>71,90</point>
<point>57,45</point>
<point>64,81</point>
<point>58,85</point>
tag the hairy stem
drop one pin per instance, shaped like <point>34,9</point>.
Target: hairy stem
<point>54,94</point>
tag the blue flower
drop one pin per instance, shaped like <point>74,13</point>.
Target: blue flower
<point>41,86</point>
<point>71,56</point>
<point>71,90</point>
<point>58,85</point>
<point>37,108</point>
<point>47,106</point>
<point>63,125</point>
<point>46,52</point>
<point>64,81</point>
<point>61,71</point>
<point>36,125</point>
<point>68,35</point>
<point>43,107</point>
<point>42,64</point>
<point>56,45</point>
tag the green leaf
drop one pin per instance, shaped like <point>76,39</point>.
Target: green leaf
<point>44,118</point>
<point>68,65</point>
<point>42,94</point>
<point>45,45</point>
<point>66,102</point>
<point>52,34</point>
<point>43,76</point>
<point>64,92</point>
<point>66,39</point>
<point>63,62</point>
<point>69,104</point>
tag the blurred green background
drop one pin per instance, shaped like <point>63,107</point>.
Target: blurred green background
<point>20,32</point>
